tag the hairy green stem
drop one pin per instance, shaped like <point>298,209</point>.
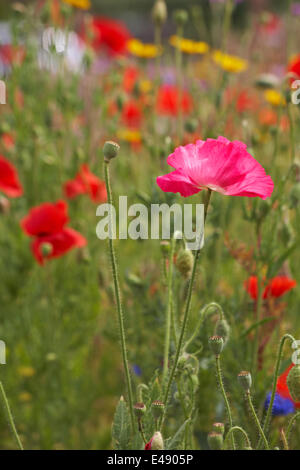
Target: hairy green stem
<point>275,377</point>
<point>261,432</point>
<point>220,380</point>
<point>240,430</point>
<point>185,319</point>
<point>10,416</point>
<point>169,312</point>
<point>290,425</point>
<point>118,300</point>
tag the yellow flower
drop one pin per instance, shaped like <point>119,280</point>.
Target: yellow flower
<point>188,46</point>
<point>145,86</point>
<point>140,49</point>
<point>83,4</point>
<point>130,135</point>
<point>25,397</point>
<point>274,98</point>
<point>230,63</point>
<point>26,371</point>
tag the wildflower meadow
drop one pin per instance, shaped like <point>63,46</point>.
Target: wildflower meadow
<point>150,225</point>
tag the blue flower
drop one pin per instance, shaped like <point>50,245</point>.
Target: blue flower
<point>281,406</point>
<point>137,370</point>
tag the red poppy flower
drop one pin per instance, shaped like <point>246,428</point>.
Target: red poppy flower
<point>130,77</point>
<point>276,287</point>
<point>12,54</point>
<point>169,103</point>
<point>9,180</point>
<point>8,140</point>
<point>110,34</point>
<point>46,223</point>
<point>131,115</point>
<point>282,388</point>
<point>294,67</point>
<point>85,182</point>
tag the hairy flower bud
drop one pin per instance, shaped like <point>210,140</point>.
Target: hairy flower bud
<point>181,17</point>
<point>293,383</point>
<point>223,330</point>
<point>216,344</point>
<point>245,380</point>
<point>184,263</point>
<point>110,150</point>
<point>159,12</point>
<point>156,442</point>
<point>215,441</point>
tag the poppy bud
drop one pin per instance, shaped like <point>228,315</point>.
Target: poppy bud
<point>215,441</point>
<point>216,344</point>
<point>165,247</point>
<point>139,409</point>
<point>293,383</point>
<point>181,17</point>
<point>159,12</point>
<point>245,380</point>
<point>46,249</point>
<point>157,408</point>
<point>223,330</point>
<point>156,442</point>
<point>110,150</point>
<point>184,263</point>
<point>218,428</point>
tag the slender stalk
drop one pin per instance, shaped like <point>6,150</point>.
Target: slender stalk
<point>118,300</point>
<point>284,439</point>
<point>169,312</point>
<point>178,59</point>
<point>241,430</point>
<point>261,432</point>
<point>258,311</point>
<point>227,23</point>
<point>185,319</point>
<point>275,377</point>
<point>220,380</point>
<point>10,416</point>
<point>290,425</point>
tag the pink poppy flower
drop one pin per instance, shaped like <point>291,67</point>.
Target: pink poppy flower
<point>219,165</point>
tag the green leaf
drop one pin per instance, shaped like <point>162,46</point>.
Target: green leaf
<point>175,442</point>
<point>256,325</point>
<point>121,426</point>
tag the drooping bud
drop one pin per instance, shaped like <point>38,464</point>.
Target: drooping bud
<point>215,441</point>
<point>181,17</point>
<point>245,380</point>
<point>218,428</point>
<point>110,150</point>
<point>223,329</point>
<point>184,263</point>
<point>159,12</point>
<point>216,344</point>
<point>46,249</point>
<point>156,442</point>
<point>293,383</point>
<point>139,409</point>
<point>157,408</point>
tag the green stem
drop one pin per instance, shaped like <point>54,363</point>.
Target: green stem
<point>261,432</point>
<point>220,380</point>
<point>178,57</point>
<point>10,416</point>
<point>169,312</point>
<point>185,319</point>
<point>241,430</point>
<point>290,425</point>
<point>258,310</point>
<point>118,300</point>
<point>275,377</point>
<point>227,23</point>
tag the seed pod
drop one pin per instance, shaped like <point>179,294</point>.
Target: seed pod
<point>293,383</point>
<point>223,330</point>
<point>216,344</point>
<point>215,441</point>
<point>218,428</point>
<point>139,409</point>
<point>110,150</point>
<point>245,380</point>
<point>157,408</point>
<point>184,263</point>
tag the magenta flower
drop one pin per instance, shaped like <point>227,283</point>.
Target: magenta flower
<point>219,165</point>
